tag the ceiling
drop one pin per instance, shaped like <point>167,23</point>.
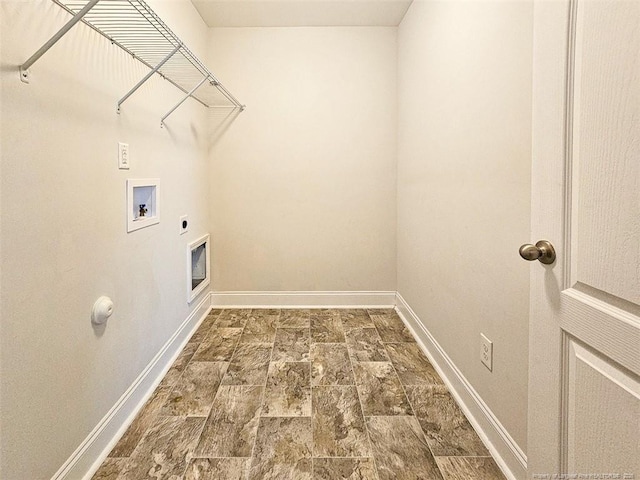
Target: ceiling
<point>301,13</point>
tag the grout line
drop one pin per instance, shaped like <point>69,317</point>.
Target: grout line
<point>390,416</point>
<point>463,456</point>
<point>220,385</point>
<point>364,419</point>
<point>264,391</point>
<point>347,458</point>
<point>189,456</point>
<point>313,442</point>
<point>424,436</point>
<point>308,315</point>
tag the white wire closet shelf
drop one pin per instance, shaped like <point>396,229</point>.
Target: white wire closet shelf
<point>134,27</point>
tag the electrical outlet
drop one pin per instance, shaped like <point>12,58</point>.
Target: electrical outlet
<point>184,224</point>
<point>486,352</point>
<point>123,156</point>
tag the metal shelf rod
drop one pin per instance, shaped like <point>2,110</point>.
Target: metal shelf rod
<point>53,40</point>
<point>147,76</point>
<point>133,26</point>
<point>228,94</point>
<point>182,101</point>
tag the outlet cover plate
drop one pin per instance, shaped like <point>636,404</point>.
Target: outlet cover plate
<point>184,224</point>
<point>486,352</point>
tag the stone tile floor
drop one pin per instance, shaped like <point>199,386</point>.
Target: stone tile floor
<point>300,394</point>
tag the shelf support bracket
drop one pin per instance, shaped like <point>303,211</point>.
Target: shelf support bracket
<point>227,94</point>
<point>182,101</point>
<point>148,76</point>
<point>24,68</point>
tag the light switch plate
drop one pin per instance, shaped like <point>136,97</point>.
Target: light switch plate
<point>486,352</point>
<point>123,156</point>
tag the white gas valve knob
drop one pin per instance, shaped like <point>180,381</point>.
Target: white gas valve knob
<point>102,310</point>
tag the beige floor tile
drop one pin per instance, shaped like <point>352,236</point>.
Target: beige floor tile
<point>179,365</point>
<point>294,318</point>
<point>338,424</point>
<point>391,328</point>
<point>465,468</point>
<point>344,469</point>
<point>203,329</point>
<point>110,469</point>
<point>330,364</point>
<point>260,328</point>
<point>232,318</point>
<point>218,345</point>
<point>164,449</point>
<point>282,450</point>
<point>447,430</point>
<point>412,365</point>
<point>388,312</point>
<point>400,449</point>
<point>291,345</point>
<point>230,430</point>
<point>217,469</point>
<point>324,312</point>
<point>365,345</point>
<point>249,364</point>
<point>288,391</point>
<point>326,328</point>
<point>380,390</point>
<point>141,423</point>
<point>194,393</point>
<point>355,319</point>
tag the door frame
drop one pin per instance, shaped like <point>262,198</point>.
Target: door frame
<point>553,64</point>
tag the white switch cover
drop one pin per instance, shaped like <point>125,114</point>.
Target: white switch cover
<point>486,352</point>
<point>123,156</point>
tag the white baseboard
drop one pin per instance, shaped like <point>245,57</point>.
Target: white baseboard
<point>508,455</point>
<point>302,299</point>
<point>88,457</point>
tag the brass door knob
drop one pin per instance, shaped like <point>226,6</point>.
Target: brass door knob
<point>542,251</point>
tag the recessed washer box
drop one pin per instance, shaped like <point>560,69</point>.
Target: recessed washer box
<point>143,203</point>
<point>198,266</point>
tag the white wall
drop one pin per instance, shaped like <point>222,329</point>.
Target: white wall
<point>304,181</point>
<point>64,240</point>
<point>464,142</point>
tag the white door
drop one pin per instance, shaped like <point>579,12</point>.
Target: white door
<point>584,387</point>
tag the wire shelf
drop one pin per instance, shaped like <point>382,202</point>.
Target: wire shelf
<point>134,27</point>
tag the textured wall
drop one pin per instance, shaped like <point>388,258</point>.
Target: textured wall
<point>464,143</point>
<point>304,181</point>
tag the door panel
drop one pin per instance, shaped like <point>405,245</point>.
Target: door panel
<point>600,380</point>
<point>584,383</point>
<point>606,143</point>
<point>601,443</point>
<point>610,330</point>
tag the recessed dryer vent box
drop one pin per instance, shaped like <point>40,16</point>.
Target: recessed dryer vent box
<point>143,203</point>
<point>198,267</point>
